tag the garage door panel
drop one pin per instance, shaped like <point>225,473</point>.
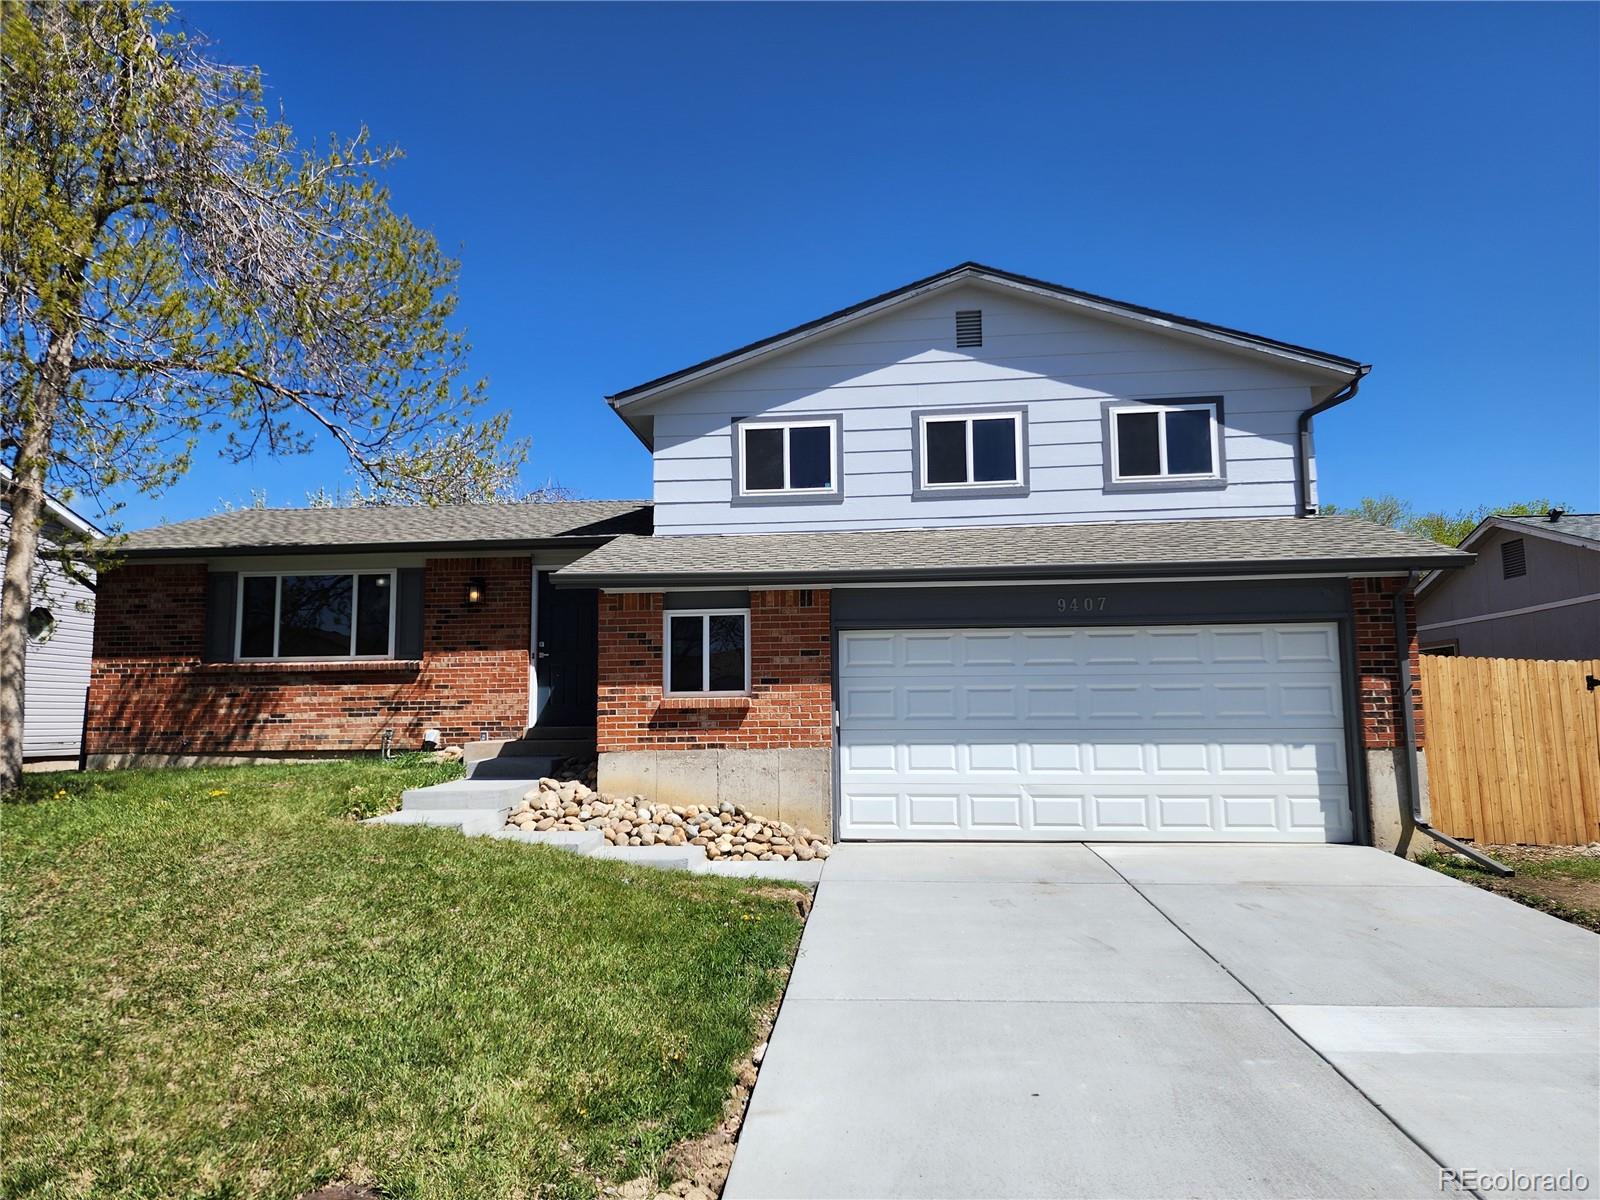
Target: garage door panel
<point>1109,813</point>
<point>1305,700</point>
<point>1185,813</point>
<point>931,811</point>
<point>1054,758</point>
<point>864,651</point>
<point>862,704</point>
<point>1048,650</point>
<point>1201,650</point>
<point>1109,756</point>
<point>1295,699</point>
<point>1173,732</point>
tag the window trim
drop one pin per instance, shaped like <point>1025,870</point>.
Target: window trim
<point>705,615</point>
<point>921,489</point>
<point>834,493</point>
<point>1217,477</point>
<point>354,574</point>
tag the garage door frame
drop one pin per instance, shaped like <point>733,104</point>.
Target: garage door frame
<point>1324,600</point>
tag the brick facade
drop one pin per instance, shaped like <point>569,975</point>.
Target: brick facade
<point>791,701</point>
<point>1377,667</point>
<point>151,692</point>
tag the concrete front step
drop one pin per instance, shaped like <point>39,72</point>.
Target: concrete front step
<point>526,767</point>
<point>585,843</point>
<point>474,822</point>
<point>528,757</point>
<point>465,793</point>
<point>672,858</point>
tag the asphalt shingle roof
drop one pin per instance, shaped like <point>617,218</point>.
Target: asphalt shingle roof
<point>461,526</point>
<point>1584,525</point>
<point>1224,545</point>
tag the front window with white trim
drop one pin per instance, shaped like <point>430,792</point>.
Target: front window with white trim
<point>315,616</point>
<point>970,450</point>
<point>1165,441</point>
<point>788,458</point>
<point>708,652</point>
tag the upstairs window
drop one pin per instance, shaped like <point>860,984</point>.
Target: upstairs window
<point>316,617</point>
<point>788,458</point>
<point>1165,441</point>
<point>708,652</point>
<point>970,450</point>
<point>1513,559</point>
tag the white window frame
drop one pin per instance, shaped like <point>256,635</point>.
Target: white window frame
<point>1209,406</point>
<point>827,423</point>
<point>705,615</point>
<point>925,419</point>
<point>277,615</point>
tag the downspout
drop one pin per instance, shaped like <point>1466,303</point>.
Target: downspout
<point>1402,649</point>
<point>1302,443</point>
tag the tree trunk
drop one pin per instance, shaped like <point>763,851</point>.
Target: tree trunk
<point>22,550</point>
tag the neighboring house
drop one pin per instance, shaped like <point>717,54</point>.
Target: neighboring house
<point>1534,591</point>
<point>980,558</point>
<point>60,639</point>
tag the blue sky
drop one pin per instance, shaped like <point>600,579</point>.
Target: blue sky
<point>632,189</point>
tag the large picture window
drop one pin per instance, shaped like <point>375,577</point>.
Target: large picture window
<point>708,652</point>
<point>313,616</point>
<point>788,458</point>
<point>1165,441</point>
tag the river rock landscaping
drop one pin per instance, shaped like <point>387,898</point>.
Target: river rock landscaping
<point>726,831</point>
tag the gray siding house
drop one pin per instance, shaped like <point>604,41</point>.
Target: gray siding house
<point>1533,592</point>
<point>60,643</point>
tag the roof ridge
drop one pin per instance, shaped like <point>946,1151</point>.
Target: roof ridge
<point>971,267</point>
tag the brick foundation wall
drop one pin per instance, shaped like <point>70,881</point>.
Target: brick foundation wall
<point>1377,666</point>
<point>791,701</point>
<point>150,691</point>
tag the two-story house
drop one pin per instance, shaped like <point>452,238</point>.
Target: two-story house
<point>979,558</point>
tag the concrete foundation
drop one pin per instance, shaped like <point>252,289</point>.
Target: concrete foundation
<point>1389,797</point>
<point>795,786</point>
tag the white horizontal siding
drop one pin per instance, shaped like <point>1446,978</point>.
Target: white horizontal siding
<point>1061,366</point>
<point>55,681</point>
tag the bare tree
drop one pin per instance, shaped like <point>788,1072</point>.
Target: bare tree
<point>175,267</point>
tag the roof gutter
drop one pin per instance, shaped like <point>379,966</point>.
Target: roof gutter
<point>508,545</point>
<point>1408,687</point>
<point>1302,458</point>
<point>823,577</point>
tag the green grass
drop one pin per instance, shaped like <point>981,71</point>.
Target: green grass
<point>1559,868</point>
<point>216,985</point>
<point>1565,886</point>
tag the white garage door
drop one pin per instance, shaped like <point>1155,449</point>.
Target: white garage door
<point>1191,733</point>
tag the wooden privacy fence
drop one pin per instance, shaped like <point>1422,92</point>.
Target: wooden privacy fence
<point>1513,749</point>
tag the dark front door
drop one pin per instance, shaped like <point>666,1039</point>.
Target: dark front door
<point>567,654</point>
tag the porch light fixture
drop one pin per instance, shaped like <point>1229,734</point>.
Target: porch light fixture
<point>475,589</point>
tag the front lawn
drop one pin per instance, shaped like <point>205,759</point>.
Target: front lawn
<point>1562,881</point>
<point>216,985</point>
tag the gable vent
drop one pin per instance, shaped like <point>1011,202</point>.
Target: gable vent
<point>1513,558</point>
<point>969,328</point>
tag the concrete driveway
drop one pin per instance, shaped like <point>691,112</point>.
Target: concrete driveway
<point>1153,1021</point>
